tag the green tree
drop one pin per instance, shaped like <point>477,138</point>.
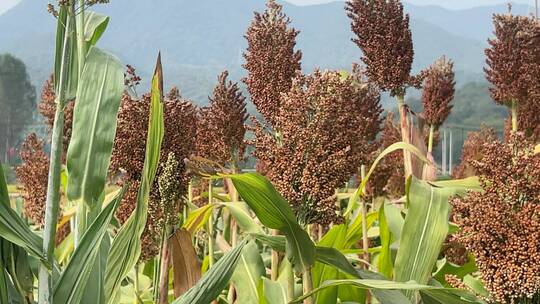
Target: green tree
<point>17,103</point>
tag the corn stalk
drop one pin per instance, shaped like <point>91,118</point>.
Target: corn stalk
<point>52,203</point>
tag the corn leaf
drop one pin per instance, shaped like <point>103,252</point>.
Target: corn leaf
<point>353,201</point>
<point>13,228</point>
<point>329,263</point>
<point>65,27</point>
<point>240,212</point>
<point>248,273</point>
<point>271,292</point>
<point>424,231</point>
<point>437,292</point>
<point>94,26</point>
<point>214,280</point>
<point>197,218</point>
<point>274,212</point>
<point>384,261</point>
<point>94,126</point>
<point>72,283</point>
<point>126,246</point>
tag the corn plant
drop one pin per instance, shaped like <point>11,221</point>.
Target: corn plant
<point>95,79</point>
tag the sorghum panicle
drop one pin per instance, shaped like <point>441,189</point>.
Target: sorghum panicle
<point>33,174</point>
<point>271,61</point>
<point>221,124</point>
<point>473,151</point>
<point>327,124</point>
<point>387,179</point>
<point>47,108</point>
<point>129,153</point>
<point>439,89</point>
<point>501,226</point>
<point>513,63</point>
<point>383,34</point>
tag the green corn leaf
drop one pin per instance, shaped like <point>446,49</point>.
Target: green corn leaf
<point>384,261</point>
<point>72,283</point>
<point>271,292</point>
<point>329,263</point>
<point>198,218</point>
<point>424,231</point>
<point>447,296</point>
<point>126,246</point>
<point>94,126</point>
<point>244,220</point>
<point>248,273</point>
<point>457,296</point>
<point>214,280</point>
<point>276,242</point>
<point>94,26</point>
<point>444,267</point>
<point>354,231</point>
<point>13,228</point>
<point>66,26</point>
<point>353,201</point>
<point>274,212</point>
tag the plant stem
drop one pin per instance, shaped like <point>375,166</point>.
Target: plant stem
<point>210,228</point>
<point>157,267</point>
<point>80,216</point>
<point>405,130</point>
<point>307,283</point>
<point>514,116</point>
<point>81,45</point>
<point>365,240</point>
<point>52,202</point>
<point>274,262</point>
<point>430,141</point>
<point>234,228</point>
<point>164,271</point>
<point>290,285</point>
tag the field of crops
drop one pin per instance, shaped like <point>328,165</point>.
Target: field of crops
<point>146,198</point>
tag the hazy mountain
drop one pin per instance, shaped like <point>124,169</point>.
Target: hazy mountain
<point>450,4</point>
<point>200,38</point>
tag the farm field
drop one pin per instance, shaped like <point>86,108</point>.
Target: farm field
<point>288,186</point>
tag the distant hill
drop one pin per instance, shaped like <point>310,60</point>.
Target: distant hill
<point>200,38</point>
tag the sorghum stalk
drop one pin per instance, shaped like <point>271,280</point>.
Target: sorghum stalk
<point>290,285</point>
<point>307,284</point>
<point>210,227</point>
<point>514,115</point>
<point>164,269</point>
<point>430,141</point>
<point>365,240</point>
<point>405,129</point>
<point>52,202</point>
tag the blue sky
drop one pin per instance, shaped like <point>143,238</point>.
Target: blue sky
<point>452,4</point>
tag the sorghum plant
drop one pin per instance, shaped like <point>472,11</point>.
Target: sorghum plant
<point>129,152</point>
<point>439,89</point>
<point>501,226</point>
<point>32,174</point>
<point>327,124</point>
<point>383,34</point>
<point>388,178</point>
<point>271,61</point>
<point>221,124</point>
<point>512,59</point>
<point>47,108</point>
<point>473,151</point>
